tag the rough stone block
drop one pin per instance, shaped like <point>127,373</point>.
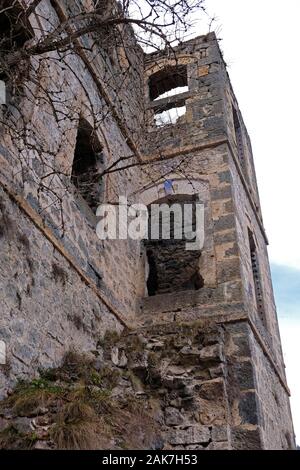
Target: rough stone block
<point>248,408</point>
<point>173,417</point>
<point>246,439</point>
<point>224,193</point>
<point>196,434</point>
<point>203,70</point>
<point>212,352</point>
<point>224,223</point>
<point>244,375</point>
<point>228,270</point>
<point>212,390</point>
<point>219,433</point>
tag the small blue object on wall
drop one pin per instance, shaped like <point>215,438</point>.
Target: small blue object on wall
<point>168,186</point>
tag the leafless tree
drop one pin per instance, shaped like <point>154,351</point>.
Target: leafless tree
<point>31,44</point>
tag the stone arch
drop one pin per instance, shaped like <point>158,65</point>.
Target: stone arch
<point>180,185</point>
<point>166,79</point>
<point>164,62</point>
<point>202,264</point>
<point>172,266</point>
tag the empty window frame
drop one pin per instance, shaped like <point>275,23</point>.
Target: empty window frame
<point>256,277</point>
<point>88,166</point>
<point>169,81</point>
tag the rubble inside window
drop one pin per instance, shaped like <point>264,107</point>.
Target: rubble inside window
<point>170,267</point>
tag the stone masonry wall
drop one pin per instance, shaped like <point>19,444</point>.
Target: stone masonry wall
<point>68,216</point>
<point>46,309</point>
<point>274,406</point>
<point>195,381</point>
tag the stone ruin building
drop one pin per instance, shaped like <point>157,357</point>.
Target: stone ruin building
<point>206,325</point>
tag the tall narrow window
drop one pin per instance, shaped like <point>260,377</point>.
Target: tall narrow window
<point>167,88</point>
<point>238,137</point>
<point>256,278</point>
<point>87,166</point>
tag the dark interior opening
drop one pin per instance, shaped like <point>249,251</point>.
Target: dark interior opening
<point>15,30</point>
<point>196,282</point>
<point>167,79</point>
<point>88,165</point>
<point>236,120</point>
<point>172,268</point>
<point>152,283</point>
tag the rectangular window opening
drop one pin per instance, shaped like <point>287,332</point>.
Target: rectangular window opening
<point>203,53</point>
<point>170,81</point>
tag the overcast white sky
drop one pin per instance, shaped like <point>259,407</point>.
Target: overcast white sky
<point>261,47</point>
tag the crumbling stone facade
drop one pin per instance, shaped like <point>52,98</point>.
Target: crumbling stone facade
<point>216,346</point>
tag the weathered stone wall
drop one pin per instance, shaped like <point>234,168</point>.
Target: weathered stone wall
<point>246,218</point>
<point>194,381</point>
<point>55,138</point>
<point>245,161</point>
<point>235,208</point>
<point>46,308</point>
<point>274,407</point>
<point>271,395</point>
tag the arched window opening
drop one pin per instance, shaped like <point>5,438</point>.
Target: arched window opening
<point>170,266</point>
<point>88,165</point>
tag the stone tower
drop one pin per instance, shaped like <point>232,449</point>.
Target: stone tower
<point>209,319</point>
